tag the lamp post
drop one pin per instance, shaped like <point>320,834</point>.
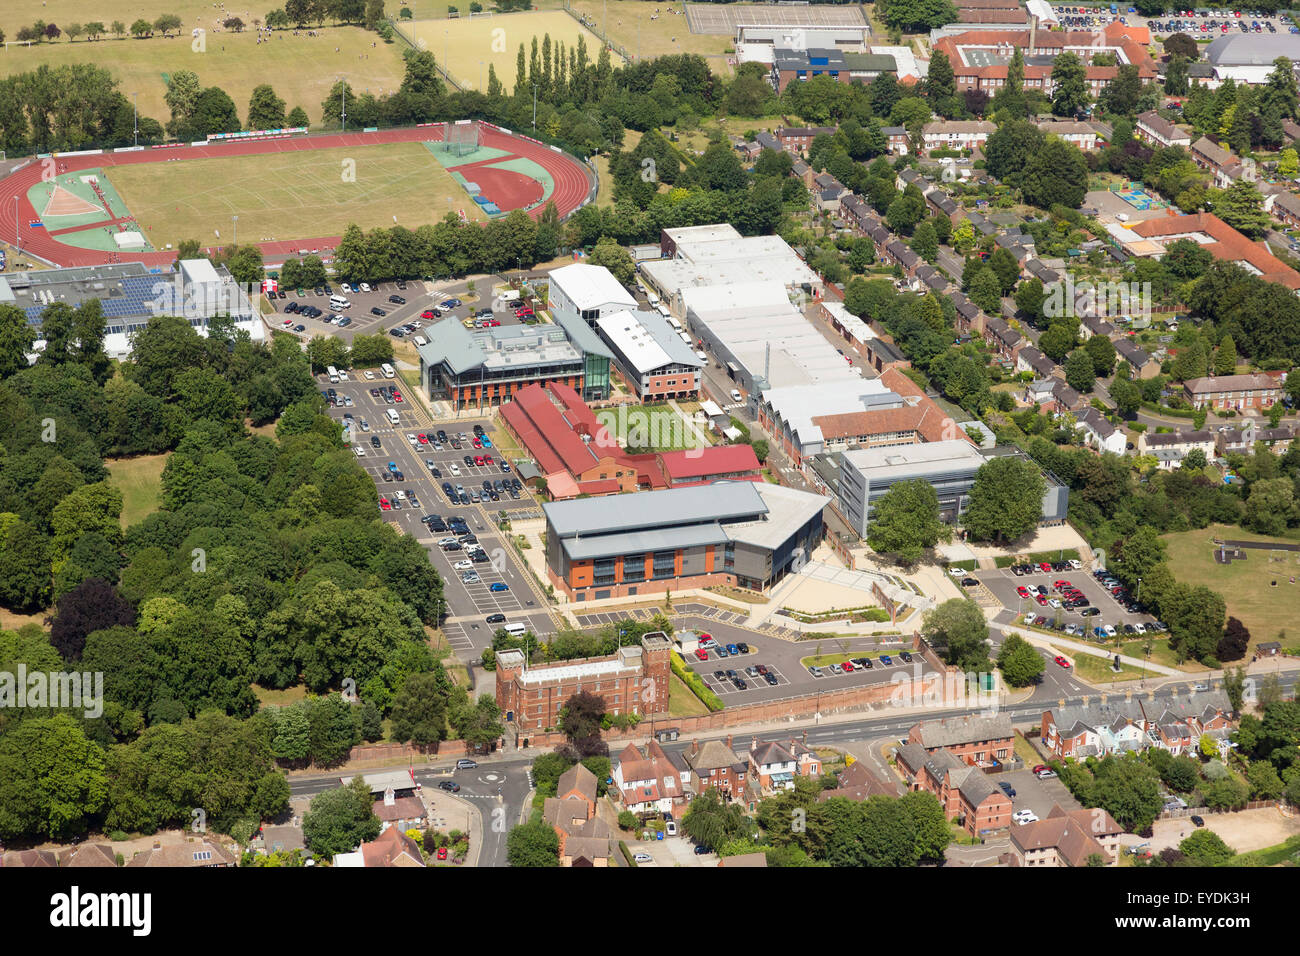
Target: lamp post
<point>534,107</point>
<point>345,103</point>
<point>135,109</point>
<point>234,230</point>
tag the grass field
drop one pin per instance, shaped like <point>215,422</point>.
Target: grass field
<point>629,26</point>
<point>656,427</point>
<point>300,68</point>
<point>289,195</point>
<point>682,701</point>
<point>138,480</point>
<point>1245,585</point>
<point>466,48</point>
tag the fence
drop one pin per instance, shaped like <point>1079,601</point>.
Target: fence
<point>1183,812</point>
<point>591,25</point>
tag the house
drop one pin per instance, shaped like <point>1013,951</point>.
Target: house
<point>932,278</point>
<point>969,316</point>
<point>982,225</point>
<point>651,781</point>
<point>856,212</point>
<point>1286,209</point>
<point>584,837</point>
<point>1082,135</point>
<point>766,140</point>
<point>857,782</point>
<point>797,139</point>
<point>978,741</point>
<point>943,204</point>
<point>758,859</point>
<point>897,138</point>
<point>1208,154</point>
<point>1099,434</point>
<point>714,765</point>
<point>1003,339</point>
<point>1019,244</point>
<point>1032,359</point>
<point>899,252</point>
<point>1090,325</point>
<point>405,813</point>
<point>774,766</point>
<point>99,855</point>
<point>1243,440</point>
<point>578,783</point>
<point>956,134</point>
<point>1268,649</point>
<point>963,791</point>
<point>391,849</point>
<point>1179,442</point>
<point>1067,838</point>
<point>1151,237</point>
<point>28,859</point>
<point>1133,723</point>
<point>1151,127</point>
<point>909,176</point>
<point>1238,392</point>
<point>1142,364</point>
<point>191,854</point>
<point>801,170</point>
<point>1042,272</point>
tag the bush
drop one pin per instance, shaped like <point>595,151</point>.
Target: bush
<point>693,681</point>
<point>627,820</point>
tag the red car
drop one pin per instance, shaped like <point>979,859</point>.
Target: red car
<point>1058,585</point>
<point>701,653</point>
<point>397,396</point>
<point>491,323</point>
<point>422,439</point>
<point>848,667</point>
<point>1041,599</point>
<point>1022,591</point>
<point>487,460</point>
<point>1040,767</point>
<point>522,312</point>
<point>1061,661</point>
<point>428,314</point>
<point>478,459</point>
<point>385,505</point>
<point>1044,567</point>
<point>478,442</point>
<point>442,853</point>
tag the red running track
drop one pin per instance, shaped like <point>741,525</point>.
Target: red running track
<point>508,190</point>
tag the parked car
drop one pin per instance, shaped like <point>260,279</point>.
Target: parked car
<point>1006,788</point>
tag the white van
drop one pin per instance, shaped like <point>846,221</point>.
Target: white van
<point>735,395</point>
<point>343,375</point>
<point>387,370</point>
<point>333,373</point>
<point>338,303</point>
<point>516,629</point>
<point>419,340</point>
<point>393,418</point>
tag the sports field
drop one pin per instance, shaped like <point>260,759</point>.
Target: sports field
<point>466,48</point>
<point>301,69</point>
<point>1247,586</point>
<point>649,29</point>
<point>193,13</point>
<point>289,195</point>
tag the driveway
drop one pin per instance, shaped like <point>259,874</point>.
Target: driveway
<point>1034,794</point>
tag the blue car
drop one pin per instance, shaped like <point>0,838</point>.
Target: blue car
<point>1099,633</point>
<point>733,650</point>
<point>499,586</point>
<point>487,442</point>
<point>392,466</point>
<point>886,659</point>
<point>722,651</point>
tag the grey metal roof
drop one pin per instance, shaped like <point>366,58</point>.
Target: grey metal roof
<point>637,542</point>
<point>582,335</point>
<point>646,510</point>
<point>1252,49</point>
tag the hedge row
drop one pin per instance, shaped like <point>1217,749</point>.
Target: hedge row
<point>1066,554</point>
<point>693,681</point>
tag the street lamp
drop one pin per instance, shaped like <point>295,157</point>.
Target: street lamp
<point>135,108</point>
<point>344,84</point>
<point>534,107</point>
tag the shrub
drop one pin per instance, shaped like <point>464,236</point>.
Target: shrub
<point>693,681</point>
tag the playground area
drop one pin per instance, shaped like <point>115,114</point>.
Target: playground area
<point>1137,197</point>
<point>467,46</point>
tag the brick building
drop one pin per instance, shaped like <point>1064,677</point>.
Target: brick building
<point>1238,392</point>
<point>963,791</point>
<point>977,741</point>
<point>714,765</point>
<point>532,696</point>
<point>1067,838</point>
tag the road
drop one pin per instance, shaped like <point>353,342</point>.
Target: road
<point>510,770</point>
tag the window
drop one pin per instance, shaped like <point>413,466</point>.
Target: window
<point>665,564</point>
<point>603,572</point>
<point>634,567</point>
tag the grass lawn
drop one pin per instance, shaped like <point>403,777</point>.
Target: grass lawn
<point>1097,670</point>
<point>1160,654</point>
<point>629,26</point>
<point>279,698</point>
<point>1026,752</point>
<point>1245,585</point>
<point>138,480</point>
<point>655,427</point>
<point>300,68</point>
<point>682,701</point>
<point>287,195</point>
<point>467,47</point>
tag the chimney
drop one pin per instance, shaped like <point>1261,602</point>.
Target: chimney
<point>753,744</point>
<point>1033,35</point>
<point>728,741</point>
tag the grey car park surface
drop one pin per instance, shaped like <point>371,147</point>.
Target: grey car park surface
<point>468,604</point>
<point>1003,583</point>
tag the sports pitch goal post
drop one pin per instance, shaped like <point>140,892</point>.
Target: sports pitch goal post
<point>461,139</point>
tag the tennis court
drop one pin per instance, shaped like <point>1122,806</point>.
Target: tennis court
<point>723,19</point>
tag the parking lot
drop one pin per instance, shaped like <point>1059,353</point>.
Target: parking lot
<point>1004,584</point>
<point>1034,794</point>
<point>1202,21</point>
<point>468,603</point>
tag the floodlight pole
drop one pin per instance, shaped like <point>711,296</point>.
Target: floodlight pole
<point>345,104</point>
<point>135,108</point>
<point>534,107</point>
<point>234,235</point>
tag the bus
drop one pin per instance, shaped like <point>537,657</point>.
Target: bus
<point>387,370</point>
<point>333,373</point>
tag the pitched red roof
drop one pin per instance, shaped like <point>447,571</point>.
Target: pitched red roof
<point>714,460</point>
<point>1228,244</point>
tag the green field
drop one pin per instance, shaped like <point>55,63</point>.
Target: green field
<point>655,427</point>
<point>466,48</point>
<point>300,68</point>
<point>289,195</point>
<point>138,480</point>
<point>1247,585</point>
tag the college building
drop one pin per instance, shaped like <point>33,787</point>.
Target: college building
<point>742,533</point>
<point>532,695</point>
<point>655,360</point>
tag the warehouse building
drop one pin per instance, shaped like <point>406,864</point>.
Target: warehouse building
<point>655,360</point>
<point>697,256</point>
<point>742,533</point>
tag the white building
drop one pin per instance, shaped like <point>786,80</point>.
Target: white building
<point>587,292</point>
<point>654,358</point>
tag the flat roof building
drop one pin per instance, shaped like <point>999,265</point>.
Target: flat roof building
<point>655,360</point>
<point>741,533</point>
<point>695,256</point>
<point>587,292</point>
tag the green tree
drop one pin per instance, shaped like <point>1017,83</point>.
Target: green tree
<point>1019,661</point>
<point>52,780</point>
<point>1070,85</point>
<point>986,291</point>
<point>420,710</point>
<point>532,844</point>
<point>1102,352</point>
<point>1006,500</point>
<point>958,629</point>
<point>340,820</point>
<point>1079,372</point>
<point>1242,207</point>
<point>905,521</point>
<point>1225,358</point>
<point>1206,848</point>
<point>265,109</point>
